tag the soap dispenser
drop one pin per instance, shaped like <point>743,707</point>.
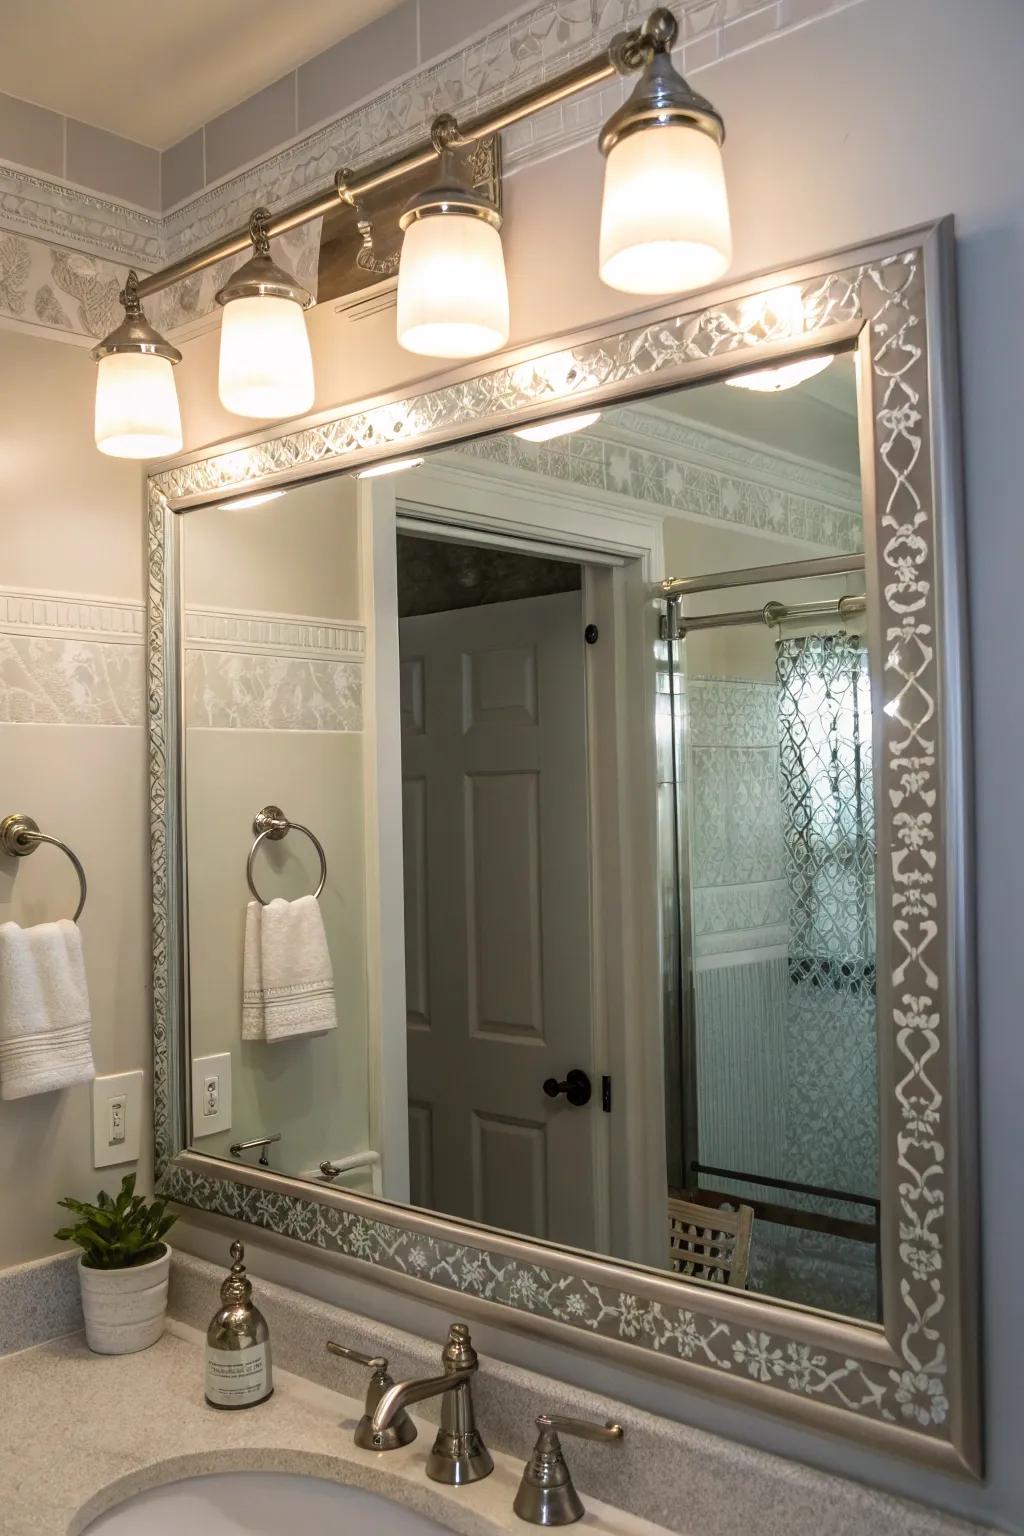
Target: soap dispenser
<point>238,1371</point>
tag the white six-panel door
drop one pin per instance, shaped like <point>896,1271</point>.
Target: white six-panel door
<point>497,914</point>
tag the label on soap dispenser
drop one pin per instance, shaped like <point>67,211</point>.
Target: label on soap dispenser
<point>237,1377</point>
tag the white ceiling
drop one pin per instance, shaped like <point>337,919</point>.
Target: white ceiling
<point>154,72</point>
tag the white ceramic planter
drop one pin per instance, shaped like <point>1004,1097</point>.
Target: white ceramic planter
<point>125,1309</point>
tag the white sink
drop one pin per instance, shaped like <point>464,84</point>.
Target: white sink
<point>260,1504</point>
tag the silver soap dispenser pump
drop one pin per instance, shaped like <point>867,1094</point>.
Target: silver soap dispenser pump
<point>238,1367</point>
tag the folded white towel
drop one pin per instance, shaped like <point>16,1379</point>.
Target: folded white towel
<point>45,1029</point>
<point>287,980</point>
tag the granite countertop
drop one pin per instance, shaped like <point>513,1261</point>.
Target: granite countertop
<point>83,1432</point>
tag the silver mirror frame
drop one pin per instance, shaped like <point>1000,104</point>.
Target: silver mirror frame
<point>910,1386</point>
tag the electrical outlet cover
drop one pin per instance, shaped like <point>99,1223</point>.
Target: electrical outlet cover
<point>203,1069</point>
<point>126,1087</point>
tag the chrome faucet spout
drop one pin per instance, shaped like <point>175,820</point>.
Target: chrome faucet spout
<point>459,1454</point>
<point>414,1391</point>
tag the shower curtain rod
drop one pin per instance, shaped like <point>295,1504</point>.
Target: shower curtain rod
<point>776,613</point>
<point>752,575</point>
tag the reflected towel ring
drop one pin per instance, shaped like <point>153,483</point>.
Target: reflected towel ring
<point>272,823</point>
<point>20,836</point>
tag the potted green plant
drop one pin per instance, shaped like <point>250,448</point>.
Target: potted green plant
<point>123,1269</point>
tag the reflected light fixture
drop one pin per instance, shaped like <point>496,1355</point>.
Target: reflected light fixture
<point>390,467</point>
<point>257,499</point>
<point>777,315</point>
<point>665,213</point>
<point>266,366</point>
<point>452,289</point>
<point>137,414</point>
<point>771,381</point>
<point>544,431</point>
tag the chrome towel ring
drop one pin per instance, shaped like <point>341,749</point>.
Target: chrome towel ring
<point>273,824</point>
<point>20,836</point>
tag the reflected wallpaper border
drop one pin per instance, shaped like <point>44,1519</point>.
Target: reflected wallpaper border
<point>914,1388</point>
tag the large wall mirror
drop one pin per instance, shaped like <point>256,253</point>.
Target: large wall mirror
<point>560,833</point>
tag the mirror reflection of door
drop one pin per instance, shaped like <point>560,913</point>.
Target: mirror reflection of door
<point>495,820</point>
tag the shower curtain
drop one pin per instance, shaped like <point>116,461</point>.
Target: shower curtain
<point>782,865</point>
<point>831,1093</point>
<point>828,810</point>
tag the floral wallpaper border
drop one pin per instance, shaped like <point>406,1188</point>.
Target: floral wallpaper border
<point>925,1381</point>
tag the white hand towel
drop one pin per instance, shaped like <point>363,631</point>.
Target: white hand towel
<point>45,1028</point>
<point>287,980</point>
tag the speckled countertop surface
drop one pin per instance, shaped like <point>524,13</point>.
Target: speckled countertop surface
<point>83,1432</point>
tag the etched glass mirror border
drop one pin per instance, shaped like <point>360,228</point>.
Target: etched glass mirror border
<point>913,1386</point>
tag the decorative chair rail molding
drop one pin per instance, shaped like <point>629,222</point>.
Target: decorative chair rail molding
<point>279,634</point>
<point>57,219</point>
<point>58,613</point>
<point>913,1386</point>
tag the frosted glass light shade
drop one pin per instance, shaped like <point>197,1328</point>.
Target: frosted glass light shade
<point>665,213</point>
<point>266,366</point>
<point>452,289</point>
<point>137,414</point>
<point>780,376</point>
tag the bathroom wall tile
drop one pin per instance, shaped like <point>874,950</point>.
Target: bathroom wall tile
<point>182,170</point>
<point>107,163</point>
<point>39,1301</point>
<point>31,136</point>
<point>56,681</point>
<point>445,24</point>
<point>253,128</point>
<point>358,66</point>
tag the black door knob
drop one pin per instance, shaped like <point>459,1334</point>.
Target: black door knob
<point>576,1087</point>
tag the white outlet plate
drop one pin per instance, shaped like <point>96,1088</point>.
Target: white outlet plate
<point>203,1069</point>
<point>125,1090</point>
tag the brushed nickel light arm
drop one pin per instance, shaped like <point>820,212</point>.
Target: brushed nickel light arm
<point>643,49</point>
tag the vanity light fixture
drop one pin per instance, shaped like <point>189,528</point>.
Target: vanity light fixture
<point>544,431</point>
<point>266,366</point>
<point>664,229</point>
<point>389,467</point>
<point>137,414</point>
<point>665,213</point>
<point>452,289</point>
<point>257,499</point>
<point>771,381</point>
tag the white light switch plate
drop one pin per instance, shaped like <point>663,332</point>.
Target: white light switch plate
<point>211,1094</point>
<point>116,1119</point>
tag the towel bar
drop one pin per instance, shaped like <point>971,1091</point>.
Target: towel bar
<point>20,836</point>
<point>272,823</point>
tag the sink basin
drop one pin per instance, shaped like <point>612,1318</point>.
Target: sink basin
<point>259,1504</point>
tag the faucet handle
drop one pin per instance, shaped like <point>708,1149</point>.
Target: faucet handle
<point>401,1430</point>
<point>547,1495</point>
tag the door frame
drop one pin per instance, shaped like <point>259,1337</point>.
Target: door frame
<point>621,551</point>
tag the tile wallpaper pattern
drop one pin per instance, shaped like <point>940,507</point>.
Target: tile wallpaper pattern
<point>922,1381</point>
<point>272,693</point>
<point>278,672</point>
<point>70,661</point>
<point>50,222</point>
<point>666,463</point>
<point>738,853</point>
